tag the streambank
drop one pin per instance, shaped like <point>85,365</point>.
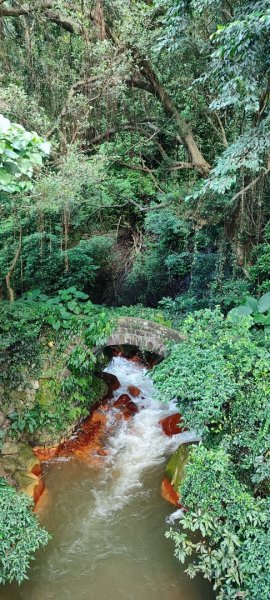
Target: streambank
<point>105,511</point>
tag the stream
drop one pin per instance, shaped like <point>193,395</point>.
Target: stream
<point>107,516</point>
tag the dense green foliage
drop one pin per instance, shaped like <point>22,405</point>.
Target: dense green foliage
<point>151,104</point>
<point>233,527</point>
<point>221,379</point>
<point>20,534</point>
<point>20,152</point>
<point>154,116</point>
<point>62,331</point>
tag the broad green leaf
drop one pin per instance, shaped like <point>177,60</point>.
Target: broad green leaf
<point>262,319</point>
<point>250,301</point>
<point>239,311</point>
<point>264,303</point>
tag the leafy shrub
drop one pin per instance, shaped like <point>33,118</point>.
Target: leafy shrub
<point>45,266</point>
<point>20,152</point>
<point>260,270</point>
<point>232,525</point>
<point>20,534</point>
<point>43,262</point>
<point>71,326</point>
<point>165,260</point>
<point>147,280</point>
<point>259,310</point>
<point>220,377</point>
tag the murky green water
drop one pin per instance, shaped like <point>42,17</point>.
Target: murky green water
<point>108,523</point>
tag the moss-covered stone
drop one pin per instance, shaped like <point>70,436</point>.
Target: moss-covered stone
<point>175,468</point>
<point>10,448</point>
<point>8,465</point>
<point>100,389</point>
<point>26,459</point>
<point>49,390</point>
<point>19,468</point>
<point>26,482</point>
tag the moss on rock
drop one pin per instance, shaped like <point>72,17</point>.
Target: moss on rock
<point>175,468</point>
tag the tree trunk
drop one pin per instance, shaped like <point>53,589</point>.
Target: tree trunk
<point>99,19</point>
<point>12,268</point>
<point>169,107</point>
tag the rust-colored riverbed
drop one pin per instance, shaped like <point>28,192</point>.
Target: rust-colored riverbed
<point>104,509</point>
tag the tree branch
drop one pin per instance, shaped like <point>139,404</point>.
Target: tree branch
<point>170,108</point>
<point>251,184</point>
<point>23,9</point>
<point>66,23</point>
<point>98,139</point>
<point>47,8</point>
<point>220,132</point>
<point>146,208</point>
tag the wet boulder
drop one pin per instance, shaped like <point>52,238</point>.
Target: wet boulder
<point>134,391</point>
<point>169,493</point>
<point>172,425</point>
<point>175,471</point>
<point>175,468</point>
<point>111,380</point>
<point>124,402</point>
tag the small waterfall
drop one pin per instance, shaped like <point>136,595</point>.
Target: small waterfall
<point>134,445</point>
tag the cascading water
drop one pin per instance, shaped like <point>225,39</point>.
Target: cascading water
<point>107,517</point>
<point>135,445</point>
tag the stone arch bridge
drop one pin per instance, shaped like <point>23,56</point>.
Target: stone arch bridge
<point>146,335</point>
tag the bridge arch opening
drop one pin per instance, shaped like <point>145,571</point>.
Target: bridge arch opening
<point>132,352</point>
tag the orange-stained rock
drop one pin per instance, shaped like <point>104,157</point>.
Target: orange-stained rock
<point>38,490</point>
<point>43,502</point>
<point>87,445</point>
<point>137,360</point>
<point>172,425</point>
<point>124,401</point>
<point>111,380</point>
<point>36,470</point>
<point>44,453</point>
<point>117,352</point>
<point>169,493</point>
<point>134,391</point>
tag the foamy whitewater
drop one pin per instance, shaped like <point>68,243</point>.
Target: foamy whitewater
<point>134,445</point>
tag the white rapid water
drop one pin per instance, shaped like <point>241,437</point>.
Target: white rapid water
<point>135,445</point>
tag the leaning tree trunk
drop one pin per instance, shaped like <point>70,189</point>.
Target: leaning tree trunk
<point>170,108</point>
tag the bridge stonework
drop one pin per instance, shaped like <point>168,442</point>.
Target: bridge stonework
<point>146,335</point>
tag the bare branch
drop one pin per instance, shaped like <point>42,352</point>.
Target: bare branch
<point>220,132</point>
<point>180,165</point>
<point>223,134</point>
<point>146,208</point>
<point>23,9</point>
<point>82,83</point>
<point>251,184</point>
<point>46,8</point>
<point>106,135</point>
<point>66,23</point>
